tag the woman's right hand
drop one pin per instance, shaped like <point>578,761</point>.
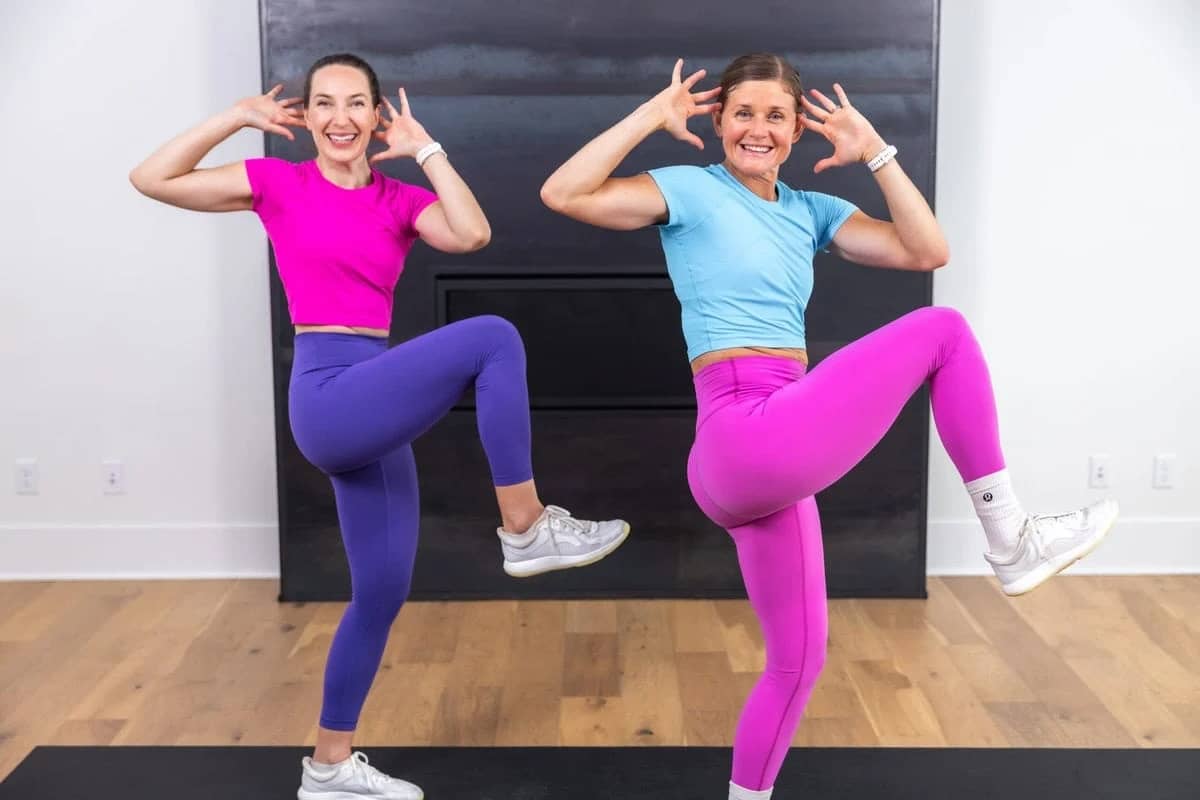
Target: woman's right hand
<point>677,103</point>
<point>270,114</point>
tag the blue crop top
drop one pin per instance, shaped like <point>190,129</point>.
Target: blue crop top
<point>742,266</point>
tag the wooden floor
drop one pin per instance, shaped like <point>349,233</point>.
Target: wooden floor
<point>1082,662</point>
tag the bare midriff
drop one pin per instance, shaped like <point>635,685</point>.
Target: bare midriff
<point>713,356</point>
<point>380,333</point>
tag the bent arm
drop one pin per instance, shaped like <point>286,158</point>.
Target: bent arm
<point>913,240</point>
<point>455,223</point>
<point>583,187</point>
<point>169,175</point>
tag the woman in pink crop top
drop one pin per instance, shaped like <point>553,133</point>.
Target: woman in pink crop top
<point>341,230</point>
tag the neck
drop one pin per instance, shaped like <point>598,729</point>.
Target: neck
<point>352,175</point>
<point>762,184</point>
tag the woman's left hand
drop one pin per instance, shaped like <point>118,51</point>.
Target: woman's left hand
<point>402,134</point>
<point>853,138</point>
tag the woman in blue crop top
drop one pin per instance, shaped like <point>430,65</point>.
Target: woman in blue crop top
<point>354,404</point>
<point>769,435</point>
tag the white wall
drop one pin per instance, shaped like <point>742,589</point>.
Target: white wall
<point>139,332</point>
<point>131,330</point>
<point>1066,185</point>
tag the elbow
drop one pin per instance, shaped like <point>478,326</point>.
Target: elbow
<point>936,259</point>
<point>552,198</point>
<point>145,184</point>
<point>483,236</point>
<point>936,263</point>
<point>138,180</point>
<point>479,239</point>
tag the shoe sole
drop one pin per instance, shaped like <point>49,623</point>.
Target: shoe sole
<point>1037,577</point>
<point>303,794</point>
<point>537,566</point>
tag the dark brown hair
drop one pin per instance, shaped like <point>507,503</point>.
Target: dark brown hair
<point>346,60</point>
<point>761,67</point>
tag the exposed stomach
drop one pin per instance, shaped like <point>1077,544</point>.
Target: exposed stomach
<point>381,333</point>
<point>713,356</point>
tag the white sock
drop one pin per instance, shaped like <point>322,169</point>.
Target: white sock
<point>325,770</point>
<point>999,511</point>
<point>518,539</point>
<point>524,537</point>
<point>741,793</point>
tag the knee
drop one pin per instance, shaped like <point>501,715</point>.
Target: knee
<point>801,660</point>
<point>940,315</point>
<point>378,602</point>
<point>497,329</point>
<point>942,326</point>
<point>943,317</point>
<point>497,337</point>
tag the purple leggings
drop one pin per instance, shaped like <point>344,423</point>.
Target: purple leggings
<point>355,407</point>
<point>769,437</point>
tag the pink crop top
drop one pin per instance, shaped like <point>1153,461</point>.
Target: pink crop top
<point>339,251</point>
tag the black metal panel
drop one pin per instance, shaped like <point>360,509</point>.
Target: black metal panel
<point>511,91</point>
<point>602,342</point>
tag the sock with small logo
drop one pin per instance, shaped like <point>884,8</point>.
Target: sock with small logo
<point>999,511</point>
<point>741,793</point>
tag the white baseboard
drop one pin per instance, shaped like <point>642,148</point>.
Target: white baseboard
<point>138,552</point>
<point>251,550</point>
<point>1144,546</point>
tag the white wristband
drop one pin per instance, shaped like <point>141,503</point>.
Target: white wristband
<point>882,157</point>
<point>428,150</point>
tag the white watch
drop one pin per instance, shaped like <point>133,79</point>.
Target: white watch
<point>882,157</point>
<point>426,151</point>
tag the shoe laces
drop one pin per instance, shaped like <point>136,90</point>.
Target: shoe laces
<point>561,520</point>
<point>1037,527</point>
<point>1031,533</point>
<point>372,777</point>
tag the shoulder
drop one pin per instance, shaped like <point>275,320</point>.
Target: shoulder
<point>404,202</point>
<point>815,202</point>
<point>682,173</point>
<point>689,170</point>
<point>269,165</point>
<point>393,189</point>
<point>687,178</point>
<point>265,173</point>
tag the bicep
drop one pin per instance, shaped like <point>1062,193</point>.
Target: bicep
<point>434,229</point>
<point>872,243</point>
<point>621,204</point>
<point>224,188</point>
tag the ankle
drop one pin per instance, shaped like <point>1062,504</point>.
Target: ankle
<point>329,757</point>
<point>518,523</point>
<point>742,793</point>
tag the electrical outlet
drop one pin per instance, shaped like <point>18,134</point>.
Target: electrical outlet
<point>1164,471</point>
<point>113,476</point>
<point>26,476</point>
<point>1098,471</point>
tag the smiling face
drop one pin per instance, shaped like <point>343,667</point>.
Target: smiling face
<point>758,123</point>
<point>340,112</point>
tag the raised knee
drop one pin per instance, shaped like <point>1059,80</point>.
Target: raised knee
<point>940,316</point>
<point>497,336</point>
<point>943,316</point>
<point>497,327</point>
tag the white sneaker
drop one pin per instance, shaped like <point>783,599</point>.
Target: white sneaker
<point>1048,544</point>
<point>352,779</point>
<point>559,541</point>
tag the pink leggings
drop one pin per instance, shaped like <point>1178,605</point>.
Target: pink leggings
<point>769,437</point>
